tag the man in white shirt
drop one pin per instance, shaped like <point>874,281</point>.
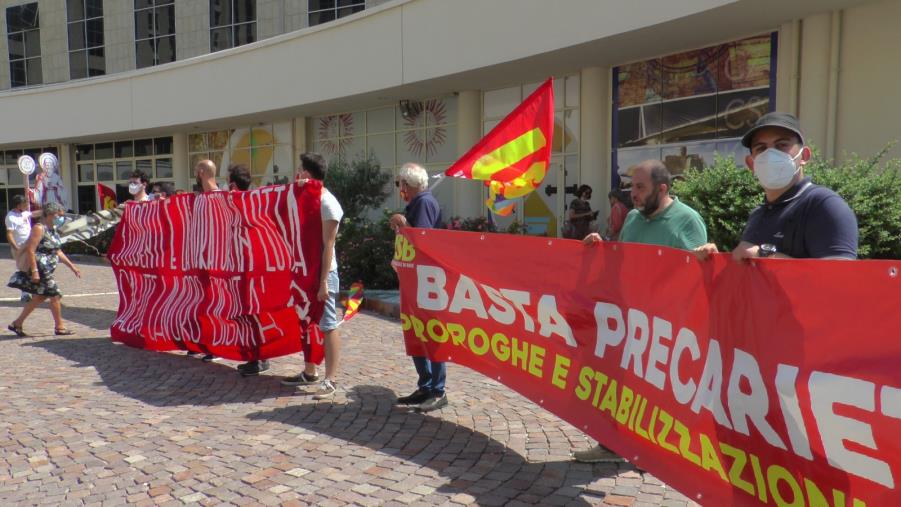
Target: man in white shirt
<point>313,166</point>
<point>18,228</point>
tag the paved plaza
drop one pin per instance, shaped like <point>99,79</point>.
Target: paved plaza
<point>84,421</point>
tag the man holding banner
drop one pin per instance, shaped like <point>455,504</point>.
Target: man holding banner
<point>313,166</point>
<point>658,219</point>
<point>422,211</point>
<point>797,219</point>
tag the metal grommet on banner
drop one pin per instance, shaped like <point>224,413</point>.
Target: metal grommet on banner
<point>549,243</point>
<point>422,232</point>
<point>893,272</point>
<point>541,402</point>
<point>699,496</point>
<point>482,236</point>
<point>615,247</point>
<point>659,252</point>
<point>585,427</point>
<point>687,259</point>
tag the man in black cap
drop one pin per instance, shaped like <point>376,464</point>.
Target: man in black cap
<point>797,218</point>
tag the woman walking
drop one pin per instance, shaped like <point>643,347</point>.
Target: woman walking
<point>36,261</point>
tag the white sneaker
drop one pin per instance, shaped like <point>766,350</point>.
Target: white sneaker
<point>326,390</point>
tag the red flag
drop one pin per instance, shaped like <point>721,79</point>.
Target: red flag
<point>106,196</point>
<point>514,157</point>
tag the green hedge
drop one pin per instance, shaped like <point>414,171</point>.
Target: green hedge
<point>725,194</point>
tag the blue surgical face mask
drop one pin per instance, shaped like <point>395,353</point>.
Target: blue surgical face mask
<point>59,221</point>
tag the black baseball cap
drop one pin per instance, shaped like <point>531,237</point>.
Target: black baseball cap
<point>774,119</point>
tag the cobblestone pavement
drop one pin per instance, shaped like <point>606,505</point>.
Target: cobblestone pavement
<point>86,421</point>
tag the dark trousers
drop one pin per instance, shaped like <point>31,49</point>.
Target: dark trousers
<point>432,375</point>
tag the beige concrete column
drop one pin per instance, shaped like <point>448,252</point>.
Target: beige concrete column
<point>594,109</point>
<point>468,194</point>
<point>814,84</point>
<point>181,162</point>
<point>301,143</point>
<point>788,71</point>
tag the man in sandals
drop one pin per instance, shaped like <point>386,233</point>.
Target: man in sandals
<point>313,166</point>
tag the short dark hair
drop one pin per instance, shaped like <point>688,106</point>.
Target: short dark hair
<point>582,189</point>
<point>239,174</point>
<point>314,164</point>
<point>660,174</point>
<point>19,200</point>
<point>141,175</point>
<point>167,188</point>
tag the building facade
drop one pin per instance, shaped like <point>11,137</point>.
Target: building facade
<point>117,85</point>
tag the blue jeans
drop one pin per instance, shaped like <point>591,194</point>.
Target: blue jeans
<point>432,375</point>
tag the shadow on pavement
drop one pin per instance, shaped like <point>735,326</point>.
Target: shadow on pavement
<point>163,379</point>
<point>97,318</point>
<point>475,463</point>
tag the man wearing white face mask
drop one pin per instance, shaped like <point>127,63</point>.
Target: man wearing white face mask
<point>137,186</point>
<point>797,219</point>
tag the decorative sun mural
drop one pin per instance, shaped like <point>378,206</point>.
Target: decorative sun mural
<point>426,141</point>
<point>329,128</point>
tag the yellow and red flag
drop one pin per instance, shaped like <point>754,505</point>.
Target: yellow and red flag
<point>107,197</point>
<point>513,158</point>
<point>353,300</point>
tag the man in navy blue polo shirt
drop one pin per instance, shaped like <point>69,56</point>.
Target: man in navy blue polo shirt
<point>797,219</point>
<point>422,211</point>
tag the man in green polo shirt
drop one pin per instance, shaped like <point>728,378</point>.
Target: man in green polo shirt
<point>658,219</point>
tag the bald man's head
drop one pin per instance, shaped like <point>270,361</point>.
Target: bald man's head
<point>205,172</point>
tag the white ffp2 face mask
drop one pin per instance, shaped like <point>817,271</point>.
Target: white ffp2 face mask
<point>134,188</point>
<point>775,169</point>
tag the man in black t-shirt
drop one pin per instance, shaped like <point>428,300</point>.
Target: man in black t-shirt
<point>797,218</point>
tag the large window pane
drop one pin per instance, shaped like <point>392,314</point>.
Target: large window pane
<point>78,65</point>
<point>124,149</point>
<point>163,168</point>
<point>245,10</point>
<point>84,152</point>
<point>220,12</point>
<point>165,49</point>
<point>220,38</point>
<point>318,18</point>
<point>32,43</point>
<point>94,32</point>
<point>315,5</point>
<point>245,34</point>
<point>165,20</point>
<point>105,171</point>
<point>87,199</point>
<point>347,11</point>
<point>93,8</point>
<point>143,24</point>
<point>76,36</point>
<point>162,145</point>
<point>103,151</point>
<point>144,53</point>
<point>16,43</point>
<point>124,168</point>
<point>86,173</point>
<point>143,147</point>
<point>33,73</point>
<point>96,62</point>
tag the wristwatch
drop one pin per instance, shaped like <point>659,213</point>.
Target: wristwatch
<point>766,250</point>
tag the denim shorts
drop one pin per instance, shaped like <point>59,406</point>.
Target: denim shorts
<point>330,319</point>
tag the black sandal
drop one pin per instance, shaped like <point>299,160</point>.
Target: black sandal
<point>63,332</point>
<point>18,330</point>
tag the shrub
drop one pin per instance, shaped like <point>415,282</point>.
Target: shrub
<point>473,224</point>
<point>724,194</point>
<point>364,248</point>
<point>364,251</point>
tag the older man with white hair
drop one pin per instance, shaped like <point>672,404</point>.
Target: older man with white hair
<point>422,211</point>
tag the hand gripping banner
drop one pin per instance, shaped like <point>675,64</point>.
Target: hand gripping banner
<point>774,382</point>
<point>233,274</point>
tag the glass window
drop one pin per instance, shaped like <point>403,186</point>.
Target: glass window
<point>154,32</point>
<point>232,23</point>
<point>115,163</point>
<point>323,11</point>
<point>24,45</point>
<point>86,55</point>
<point>691,105</point>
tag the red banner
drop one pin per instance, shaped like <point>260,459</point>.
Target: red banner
<point>233,274</point>
<point>773,382</point>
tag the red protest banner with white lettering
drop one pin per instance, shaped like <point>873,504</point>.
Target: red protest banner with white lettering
<point>234,274</point>
<point>769,382</point>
